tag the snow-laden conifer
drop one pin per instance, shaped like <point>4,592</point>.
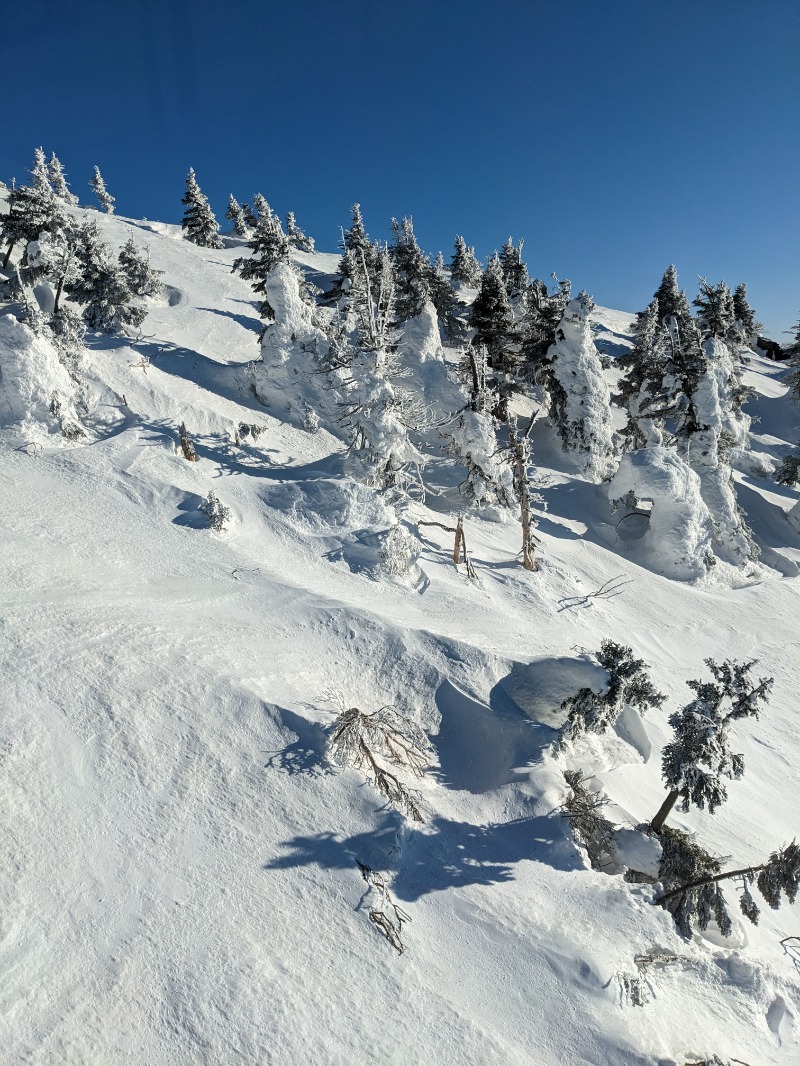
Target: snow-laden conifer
<point>199,224</point>
<point>104,197</point>
<point>235,215</point>
<point>412,270</point>
<point>297,237</point>
<point>515,273</point>
<point>715,310</point>
<point>492,319</point>
<point>269,246</point>
<point>744,315</point>
<point>142,277</point>
<point>698,760</point>
<point>443,297</point>
<point>464,266</point>
<point>101,285</point>
<point>32,208</point>
<point>58,181</point>
<point>579,396</point>
<point>53,256</point>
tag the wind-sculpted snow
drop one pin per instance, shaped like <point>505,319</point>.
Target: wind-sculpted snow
<point>181,879</point>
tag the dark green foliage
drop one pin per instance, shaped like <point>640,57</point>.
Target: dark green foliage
<point>32,209</point>
<point>788,473</point>
<point>699,759</point>
<point>628,683</point>
<point>443,297</point>
<point>59,181</point>
<point>780,875</point>
<point>492,319</point>
<point>297,237</point>
<point>715,310</point>
<point>683,861</point>
<point>743,313</point>
<point>101,285</point>
<point>542,314</point>
<point>412,270</point>
<point>270,246</point>
<point>199,223</point>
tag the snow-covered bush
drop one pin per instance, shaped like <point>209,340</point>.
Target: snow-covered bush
<point>678,539</point>
<point>37,394</point>
<point>216,512</point>
<point>580,400</point>
<point>628,685</point>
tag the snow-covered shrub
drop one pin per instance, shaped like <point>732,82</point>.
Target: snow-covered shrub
<point>628,685</point>
<point>489,478</point>
<point>37,394</point>
<point>580,400</point>
<point>216,512</point>
<point>788,471</point>
<point>678,539</point>
<point>589,828</point>
<point>399,551</point>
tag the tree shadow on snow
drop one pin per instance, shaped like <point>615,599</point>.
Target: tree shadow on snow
<point>306,755</point>
<point>450,854</point>
<point>248,322</point>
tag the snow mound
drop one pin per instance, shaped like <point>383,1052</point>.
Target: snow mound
<point>676,540</point>
<point>37,395</point>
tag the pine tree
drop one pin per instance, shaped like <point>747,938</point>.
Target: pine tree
<point>696,762</point>
<point>259,208</point>
<point>297,238</point>
<point>541,316</point>
<point>142,278</point>
<point>269,246</point>
<point>628,684</point>
<point>515,273</point>
<point>101,285</point>
<point>198,222</point>
<point>235,214</point>
<point>59,181</point>
<point>443,297</point>
<point>464,267</point>
<point>104,197</point>
<point>412,270</point>
<point>492,320</point>
<point>32,209</point>
<point>641,388</point>
<point>715,310</point>
<point>744,314</point>
<point>53,256</point>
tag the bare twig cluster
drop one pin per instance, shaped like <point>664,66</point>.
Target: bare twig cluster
<point>387,916</point>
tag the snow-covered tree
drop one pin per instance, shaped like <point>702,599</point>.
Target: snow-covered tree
<point>216,512</point>
<point>142,278</point>
<point>235,215</point>
<point>464,266</point>
<point>542,312</point>
<point>697,761</point>
<point>53,256</point>
<point>715,310</point>
<point>628,684</point>
<point>788,471</point>
<point>744,314</point>
<point>641,388</point>
<point>104,197</point>
<point>101,285</point>
<point>199,223</point>
<point>32,209</point>
<point>297,237</point>
<point>58,181</point>
<point>514,270</point>
<point>270,247</point>
<point>443,297</point>
<point>473,437</point>
<point>579,397</point>
<point>492,320</point>
<point>412,270</point>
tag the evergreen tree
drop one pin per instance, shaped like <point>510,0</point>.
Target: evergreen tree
<point>297,238</point>
<point>542,312</point>
<point>142,278</point>
<point>259,209</point>
<point>101,285</point>
<point>104,197</point>
<point>464,267</point>
<point>715,310</point>
<point>53,256</point>
<point>412,270</point>
<point>492,320</point>
<point>699,758</point>
<point>269,246</point>
<point>669,297</point>
<point>515,273</point>
<point>59,181</point>
<point>198,222</point>
<point>641,388</point>
<point>744,314</point>
<point>235,215</point>
<point>788,472</point>
<point>32,209</point>
<point>443,297</point>
<point>628,684</point>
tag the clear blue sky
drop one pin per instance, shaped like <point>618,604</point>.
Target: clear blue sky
<point>615,136</point>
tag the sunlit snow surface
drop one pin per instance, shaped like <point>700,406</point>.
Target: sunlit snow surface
<point>180,880</point>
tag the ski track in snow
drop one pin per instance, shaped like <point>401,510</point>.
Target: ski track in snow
<point>180,882</point>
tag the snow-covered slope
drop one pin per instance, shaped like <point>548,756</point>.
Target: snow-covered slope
<point>181,879</point>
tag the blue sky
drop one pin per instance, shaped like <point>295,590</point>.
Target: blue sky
<point>614,136</point>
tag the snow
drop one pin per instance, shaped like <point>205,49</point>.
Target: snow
<point>180,881</point>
